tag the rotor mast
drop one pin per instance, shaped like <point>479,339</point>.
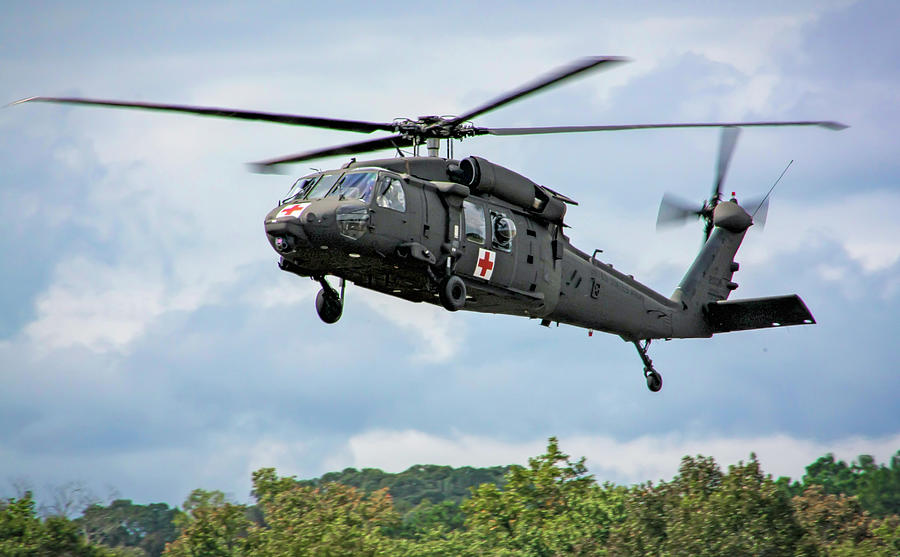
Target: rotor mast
<point>433,145</point>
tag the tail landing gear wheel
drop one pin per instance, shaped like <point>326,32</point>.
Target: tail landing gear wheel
<point>452,292</point>
<point>654,379</point>
<point>328,306</point>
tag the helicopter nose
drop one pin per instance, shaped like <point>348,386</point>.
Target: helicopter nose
<point>285,229</point>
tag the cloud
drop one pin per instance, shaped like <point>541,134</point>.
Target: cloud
<point>439,332</point>
<point>96,306</point>
<point>649,457</point>
<point>150,341</point>
<point>863,224</point>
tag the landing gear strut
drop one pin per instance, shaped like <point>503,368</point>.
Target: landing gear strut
<point>654,379</point>
<point>329,304</point>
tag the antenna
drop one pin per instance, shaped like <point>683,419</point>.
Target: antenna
<point>766,198</point>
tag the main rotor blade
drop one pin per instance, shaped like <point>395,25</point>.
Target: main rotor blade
<point>726,150</point>
<point>291,119</point>
<point>836,126</point>
<point>578,67</point>
<point>393,141</point>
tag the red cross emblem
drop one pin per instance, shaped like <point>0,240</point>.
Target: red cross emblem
<point>294,210</point>
<point>484,268</point>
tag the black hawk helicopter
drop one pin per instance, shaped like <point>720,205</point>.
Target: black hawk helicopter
<point>470,234</point>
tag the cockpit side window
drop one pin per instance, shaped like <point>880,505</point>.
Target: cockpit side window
<point>357,185</point>
<point>391,194</point>
<point>321,186</point>
<point>475,229</point>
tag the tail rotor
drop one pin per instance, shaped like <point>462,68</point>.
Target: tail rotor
<point>674,211</point>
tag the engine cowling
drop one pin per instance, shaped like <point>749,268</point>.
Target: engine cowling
<point>485,177</point>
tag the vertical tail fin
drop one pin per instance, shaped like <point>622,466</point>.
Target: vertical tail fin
<point>707,284</point>
<point>709,277</point>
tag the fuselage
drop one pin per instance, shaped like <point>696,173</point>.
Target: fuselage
<point>393,226</point>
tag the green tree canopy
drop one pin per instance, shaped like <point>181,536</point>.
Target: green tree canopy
<point>705,512</point>
<point>23,533</point>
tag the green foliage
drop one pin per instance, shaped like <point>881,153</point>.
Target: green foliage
<point>876,486</point>
<point>418,483</point>
<point>210,527</point>
<point>553,507</point>
<point>426,518</point>
<point>830,521</point>
<point>123,524</point>
<point>550,507</point>
<point>705,512</point>
<point>22,533</point>
<point>332,519</point>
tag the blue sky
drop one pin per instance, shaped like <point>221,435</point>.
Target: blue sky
<point>149,343</point>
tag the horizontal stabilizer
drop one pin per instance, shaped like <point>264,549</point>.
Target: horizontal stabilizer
<point>758,313</point>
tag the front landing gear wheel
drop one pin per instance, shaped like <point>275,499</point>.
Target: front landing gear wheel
<point>654,380</point>
<point>328,306</point>
<point>452,292</point>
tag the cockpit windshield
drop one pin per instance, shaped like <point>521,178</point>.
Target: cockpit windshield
<point>299,188</point>
<point>320,187</point>
<point>355,185</point>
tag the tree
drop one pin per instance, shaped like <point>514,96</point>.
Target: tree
<point>23,533</point>
<point>552,507</point>
<point>69,499</point>
<point>333,519</point>
<point>878,487</point>
<point>124,524</point>
<point>426,517</point>
<point>705,512</point>
<point>417,483</point>
<point>829,520</point>
<point>210,527</point>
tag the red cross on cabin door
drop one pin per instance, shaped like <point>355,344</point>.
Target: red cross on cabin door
<point>294,210</point>
<point>484,267</point>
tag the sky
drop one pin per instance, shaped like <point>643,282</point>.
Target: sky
<point>149,345</point>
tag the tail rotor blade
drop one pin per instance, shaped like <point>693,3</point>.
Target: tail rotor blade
<point>762,208</point>
<point>726,150</point>
<point>762,212</point>
<point>758,209</point>
<point>674,211</point>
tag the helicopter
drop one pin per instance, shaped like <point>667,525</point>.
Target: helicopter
<point>472,235</point>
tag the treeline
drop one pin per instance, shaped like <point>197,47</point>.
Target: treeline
<point>551,507</point>
<point>418,483</point>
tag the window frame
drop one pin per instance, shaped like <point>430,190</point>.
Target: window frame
<point>386,182</point>
<point>336,187</point>
<point>496,215</point>
<point>465,218</point>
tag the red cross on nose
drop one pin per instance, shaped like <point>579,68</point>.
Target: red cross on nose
<point>292,209</point>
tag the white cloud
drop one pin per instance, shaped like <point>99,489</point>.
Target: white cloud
<point>630,461</point>
<point>282,291</point>
<point>441,331</point>
<point>95,305</point>
<point>864,223</point>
